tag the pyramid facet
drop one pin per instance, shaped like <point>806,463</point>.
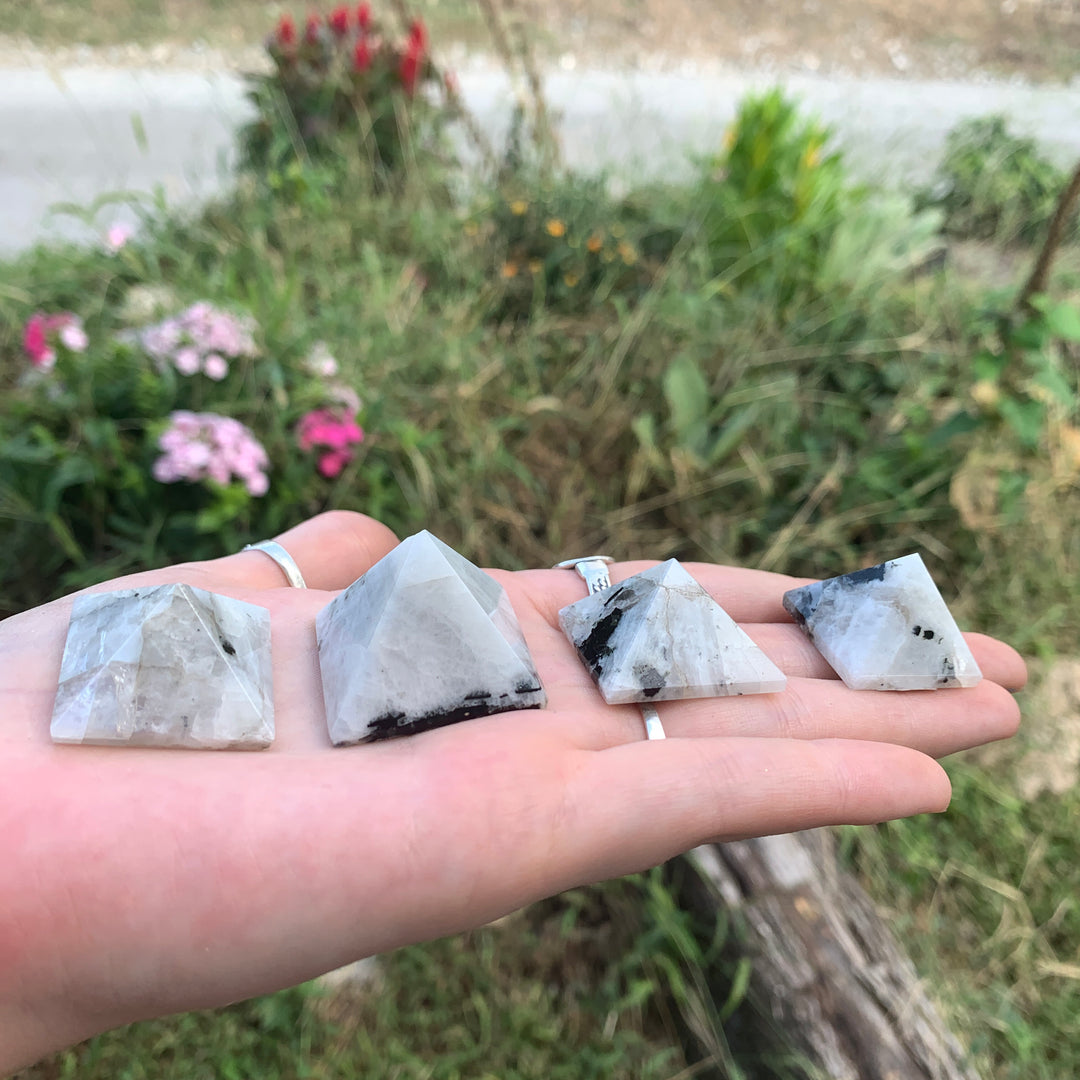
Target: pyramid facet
<point>423,639</point>
<point>166,666</point>
<point>659,636</point>
<point>885,628</point>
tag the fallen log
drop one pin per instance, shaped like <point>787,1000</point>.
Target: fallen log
<point>826,967</point>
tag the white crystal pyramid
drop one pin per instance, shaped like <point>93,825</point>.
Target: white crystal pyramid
<point>885,628</point>
<point>423,639</point>
<point>659,636</point>
<point>166,665</point>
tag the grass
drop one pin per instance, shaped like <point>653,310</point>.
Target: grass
<point>546,368</point>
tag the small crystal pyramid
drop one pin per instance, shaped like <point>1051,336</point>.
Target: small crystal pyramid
<point>423,639</point>
<point>885,628</point>
<point>659,636</point>
<point>166,665</point>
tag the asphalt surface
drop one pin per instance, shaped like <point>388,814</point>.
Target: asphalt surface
<point>88,135</point>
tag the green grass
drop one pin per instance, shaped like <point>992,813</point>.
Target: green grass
<point>545,368</point>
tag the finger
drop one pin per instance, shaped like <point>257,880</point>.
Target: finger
<point>935,722</point>
<point>636,806</point>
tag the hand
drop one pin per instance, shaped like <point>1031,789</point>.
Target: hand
<point>136,882</point>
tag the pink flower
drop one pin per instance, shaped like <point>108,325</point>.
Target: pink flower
<point>411,62</point>
<point>118,235</point>
<point>187,360</point>
<point>334,432</point>
<point>363,18</point>
<point>205,446</point>
<point>73,336</point>
<point>286,31</point>
<point>44,332</point>
<point>361,56</point>
<point>36,343</point>
<point>215,367</point>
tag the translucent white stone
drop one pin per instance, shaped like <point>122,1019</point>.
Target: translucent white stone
<point>422,640</point>
<point>885,628</point>
<point>659,636</point>
<point>169,666</point>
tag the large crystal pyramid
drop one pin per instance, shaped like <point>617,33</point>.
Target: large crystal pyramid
<point>659,636</point>
<point>423,639</point>
<point>885,628</point>
<point>166,665</point>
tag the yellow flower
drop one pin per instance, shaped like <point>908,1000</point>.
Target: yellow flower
<point>812,157</point>
<point>556,228</point>
<point>595,243</point>
<point>570,280</point>
<point>509,269</point>
<point>730,136</point>
<point>627,253</point>
<point>518,207</point>
<point>618,231</point>
<point>536,265</point>
<point>471,228</point>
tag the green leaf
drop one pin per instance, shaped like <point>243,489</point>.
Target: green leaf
<point>1025,418</point>
<point>687,396</point>
<point>1051,379</point>
<point>71,472</point>
<point>1063,321</point>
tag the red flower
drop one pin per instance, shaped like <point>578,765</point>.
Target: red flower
<point>312,31</point>
<point>363,18</point>
<point>418,35</point>
<point>286,31</point>
<point>361,56</point>
<point>411,62</point>
<point>339,21</point>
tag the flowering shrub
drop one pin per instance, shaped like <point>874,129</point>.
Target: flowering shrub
<point>344,76</point>
<point>205,446</point>
<point>109,446</point>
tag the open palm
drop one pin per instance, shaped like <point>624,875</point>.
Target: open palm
<point>139,882</point>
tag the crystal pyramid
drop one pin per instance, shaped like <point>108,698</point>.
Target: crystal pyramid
<point>659,636</point>
<point>423,639</point>
<point>885,628</point>
<point>167,665</point>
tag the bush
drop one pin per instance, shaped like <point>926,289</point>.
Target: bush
<point>994,186</point>
<point>344,80</point>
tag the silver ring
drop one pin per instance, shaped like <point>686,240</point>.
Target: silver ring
<point>282,558</point>
<point>594,570</point>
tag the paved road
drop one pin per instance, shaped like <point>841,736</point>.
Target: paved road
<point>79,134</point>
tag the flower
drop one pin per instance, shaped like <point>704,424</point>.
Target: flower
<point>44,332</point>
<point>311,31</point>
<point>556,228</point>
<point>411,63</point>
<point>536,265</point>
<point>363,18</point>
<point>320,361</point>
<point>627,253</point>
<point>595,243</point>
<point>338,21</point>
<point>286,31</point>
<point>570,280</point>
<point>206,446</point>
<point>120,232</point>
<point>333,432</point>
<point>518,207</point>
<point>201,338</point>
<point>36,343</point>
<point>361,55</point>
<point>418,35</point>
<point>215,367</point>
<point>509,269</point>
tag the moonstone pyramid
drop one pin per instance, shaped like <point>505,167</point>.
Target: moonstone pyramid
<point>885,628</point>
<point>423,639</point>
<point>659,636</point>
<point>166,665</point>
